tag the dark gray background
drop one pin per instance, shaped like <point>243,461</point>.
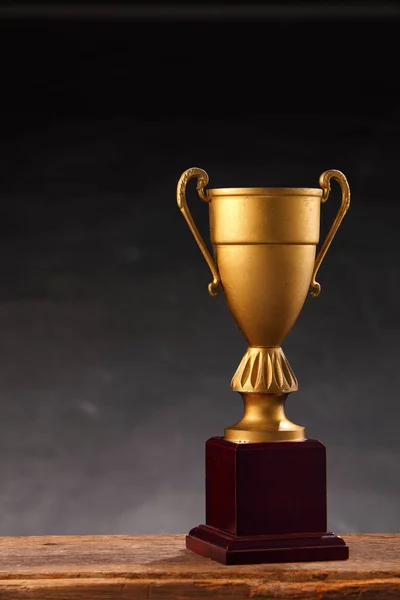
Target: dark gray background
<point>115,363</point>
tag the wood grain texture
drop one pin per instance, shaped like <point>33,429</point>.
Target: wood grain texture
<point>159,567</point>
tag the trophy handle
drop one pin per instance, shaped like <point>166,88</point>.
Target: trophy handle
<point>202,181</point>
<point>324,182</point>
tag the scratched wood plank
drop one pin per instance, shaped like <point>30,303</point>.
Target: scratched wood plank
<point>153,567</point>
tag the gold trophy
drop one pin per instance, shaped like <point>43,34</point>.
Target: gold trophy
<point>265,481</point>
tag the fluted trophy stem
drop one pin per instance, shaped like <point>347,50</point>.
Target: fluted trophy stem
<point>264,379</point>
<point>264,370</point>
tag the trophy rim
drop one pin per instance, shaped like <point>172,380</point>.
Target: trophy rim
<point>262,191</point>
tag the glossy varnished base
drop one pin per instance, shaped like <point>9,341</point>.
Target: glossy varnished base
<point>231,550</point>
<point>265,503</point>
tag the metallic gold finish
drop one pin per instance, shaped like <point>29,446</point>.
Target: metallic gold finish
<point>264,370</point>
<point>264,242</point>
<point>264,420</point>
<point>324,182</point>
<point>202,181</point>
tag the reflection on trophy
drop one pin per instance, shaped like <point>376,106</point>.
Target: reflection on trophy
<point>265,481</point>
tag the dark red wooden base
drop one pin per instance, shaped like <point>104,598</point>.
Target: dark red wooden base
<point>266,503</point>
<point>231,550</point>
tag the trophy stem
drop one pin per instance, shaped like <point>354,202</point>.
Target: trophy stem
<point>264,379</point>
<point>264,420</point>
<point>264,369</point>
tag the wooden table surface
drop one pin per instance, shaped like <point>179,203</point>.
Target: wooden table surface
<point>159,567</point>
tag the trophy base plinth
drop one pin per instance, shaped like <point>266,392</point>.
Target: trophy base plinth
<point>228,549</point>
<point>266,502</point>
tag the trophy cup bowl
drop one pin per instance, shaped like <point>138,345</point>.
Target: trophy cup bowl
<point>264,243</point>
